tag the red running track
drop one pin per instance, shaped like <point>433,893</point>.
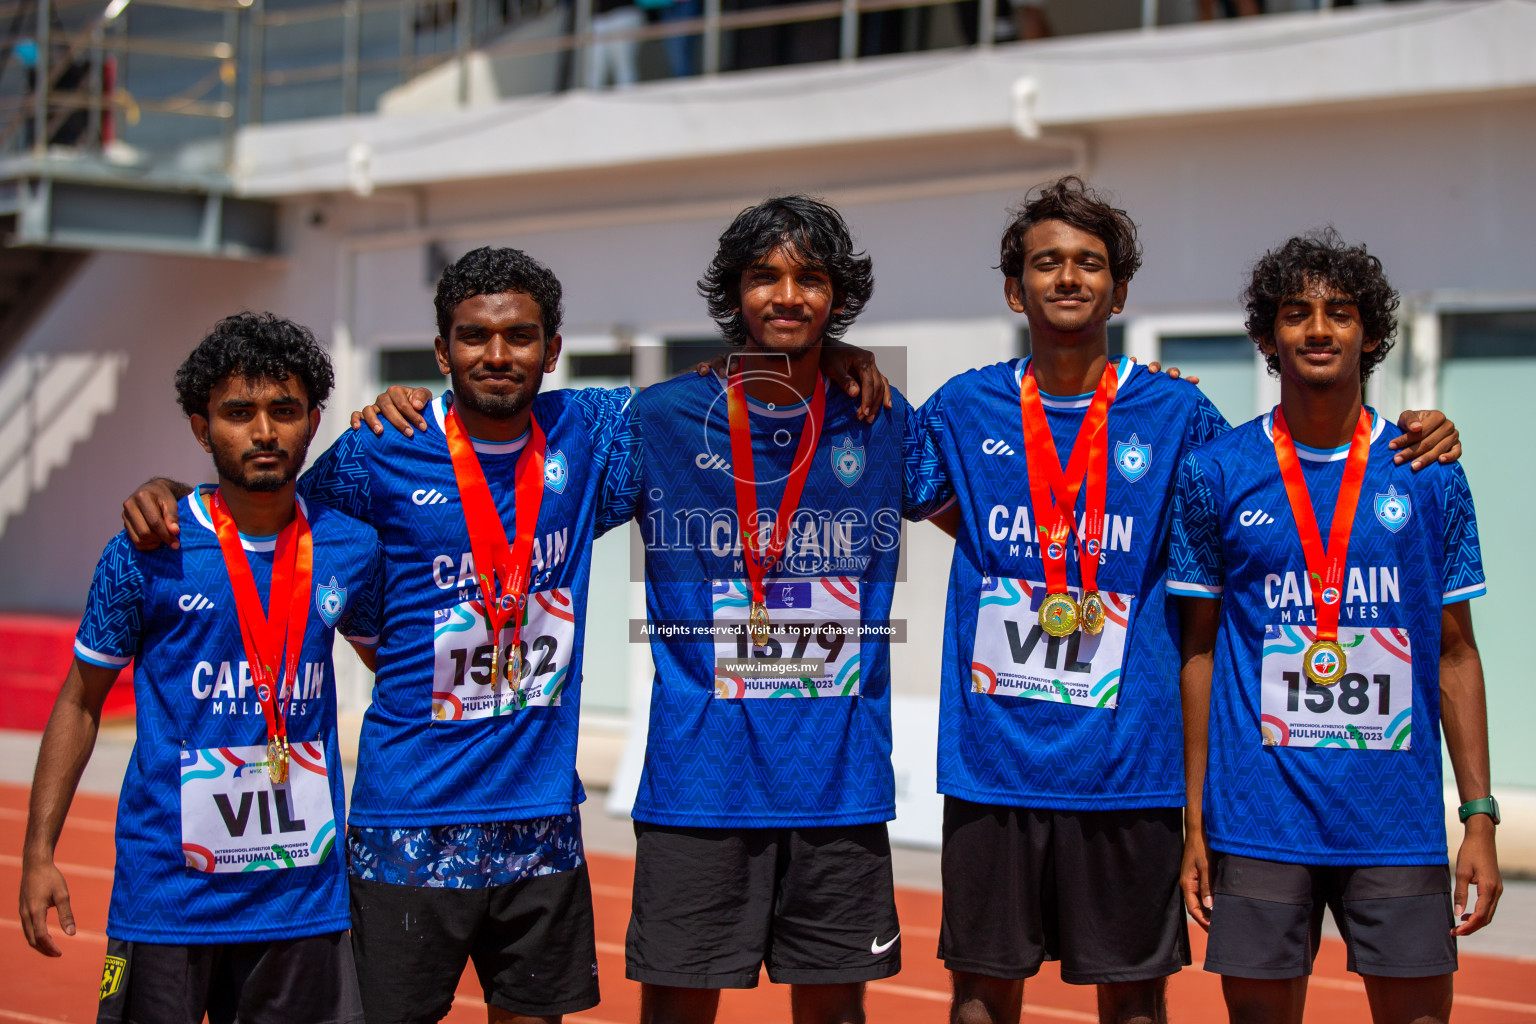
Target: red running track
<point>37,990</point>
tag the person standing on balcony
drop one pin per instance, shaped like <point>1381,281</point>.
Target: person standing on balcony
<point>613,60</point>
<point>229,897</point>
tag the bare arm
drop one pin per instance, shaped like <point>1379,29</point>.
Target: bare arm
<point>149,514</point>
<point>67,744</point>
<point>1198,621</point>
<point>948,520</point>
<point>367,655</point>
<point>1464,717</point>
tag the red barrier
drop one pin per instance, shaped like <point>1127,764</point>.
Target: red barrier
<point>37,652</point>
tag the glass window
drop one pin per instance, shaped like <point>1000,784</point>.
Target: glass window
<point>1228,366</point>
<point>1486,379</point>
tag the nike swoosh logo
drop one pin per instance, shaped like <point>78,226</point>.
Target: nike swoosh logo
<point>876,947</point>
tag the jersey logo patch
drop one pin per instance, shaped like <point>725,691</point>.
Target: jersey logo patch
<point>992,446</point>
<point>1393,509</point>
<point>112,976</point>
<point>1133,458</point>
<point>194,603</point>
<point>329,601</point>
<point>555,474</point>
<point>848,461</point>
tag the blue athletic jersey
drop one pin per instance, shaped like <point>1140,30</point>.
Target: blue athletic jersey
<point>716,755</point>
<point>415,768</point>
<point>172,613</point>
<point>1413,549</point>
<point>1022,752</point>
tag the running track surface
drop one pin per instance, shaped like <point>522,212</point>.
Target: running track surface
<point>37,990</point>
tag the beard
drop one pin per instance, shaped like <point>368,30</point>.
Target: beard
<point>492,405</point>
<point>233,468</point>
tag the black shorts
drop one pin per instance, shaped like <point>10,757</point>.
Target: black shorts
<point>531,942</point>
<point>1267,918</point>
<point>712,905</point>
<point>1097,890</point>
<point>288,981</point>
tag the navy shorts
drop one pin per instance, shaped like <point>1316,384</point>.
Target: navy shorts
<point>1267,918</point>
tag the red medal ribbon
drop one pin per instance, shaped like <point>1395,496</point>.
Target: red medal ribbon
<point>275,637</point>
<point>745,474</point>
<point>1325,569</point>
<point>496,561</point>
<point>1053,492</point>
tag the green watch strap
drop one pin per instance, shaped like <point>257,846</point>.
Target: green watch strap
<point>1487,805</point>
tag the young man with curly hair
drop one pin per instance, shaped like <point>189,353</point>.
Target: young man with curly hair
<point>229,897</point>
<point>1317,675</point>
<point>1059,745</point>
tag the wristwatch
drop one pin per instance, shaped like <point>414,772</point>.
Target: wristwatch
<point>1487,805</point>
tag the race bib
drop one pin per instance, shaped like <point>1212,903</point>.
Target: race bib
<point>234,818</point>
<point>813,643</point>
<point>1369,708</point>
<point>1014,657</point>
<point>462,683</point>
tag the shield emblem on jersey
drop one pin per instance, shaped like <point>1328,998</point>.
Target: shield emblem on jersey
<point>329,601</point>
<point>555,472</point>
<point>1393,509</point>
<point>1133,458</point>
<point>848,461</point>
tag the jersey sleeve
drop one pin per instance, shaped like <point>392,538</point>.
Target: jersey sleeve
<point>927,489</point>
<point>1195,566</point>
<point>365,615</point>
<point>1209,423</point>
<point>1464,577</point>
<point>113,625</point>
<point>619,498</point>
<point>340,478</point>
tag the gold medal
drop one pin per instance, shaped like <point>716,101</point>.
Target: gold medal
<point>1091,613</point>
<point>515,664</point>
<point>1324,662</point>
<point>757,624</point>
<point>277,760</point>
<point>1058,615</point>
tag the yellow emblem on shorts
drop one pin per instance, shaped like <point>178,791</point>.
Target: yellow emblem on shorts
<point>112,976</point>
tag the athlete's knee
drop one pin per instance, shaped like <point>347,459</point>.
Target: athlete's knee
<point>1264,1001</point>
<point>1134,1002</point>
<point>663,1004</point>
<point>980,999</point>
<point>827,1004</point>
<point>1409,1000</point>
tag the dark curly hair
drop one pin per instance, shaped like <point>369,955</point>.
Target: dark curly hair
<point>491,271</point>
<point>1070,200</point>
<point>1322,257</point>
<point>815,232</point>
<point>261,346</point>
